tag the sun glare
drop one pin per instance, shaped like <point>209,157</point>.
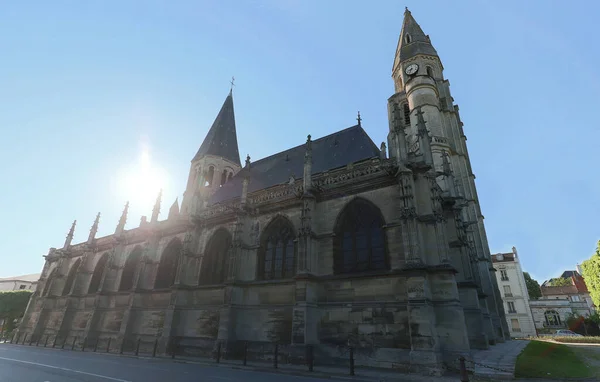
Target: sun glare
<point>141,182</point>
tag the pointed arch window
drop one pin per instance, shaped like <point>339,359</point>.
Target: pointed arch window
<point>406,111</point>
<point>216,259</point>
<point>407,38</point>
<point>209,176</point>
<point>71,278</point>
<point>129,269</point>
<point>277,254</point>
<point>430,71</point>
<point>167,268</point>
<point>97,275</point>
<point>359,243</point>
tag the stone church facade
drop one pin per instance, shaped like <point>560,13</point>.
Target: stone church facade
<point>332,243</point>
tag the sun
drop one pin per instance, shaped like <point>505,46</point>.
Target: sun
<point>140,182</point>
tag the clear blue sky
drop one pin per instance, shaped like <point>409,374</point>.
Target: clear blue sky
<point>93,92</point>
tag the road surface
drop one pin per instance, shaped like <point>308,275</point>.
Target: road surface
<point>30,364</point>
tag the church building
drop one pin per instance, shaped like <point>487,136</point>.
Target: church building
<point>333,243</point>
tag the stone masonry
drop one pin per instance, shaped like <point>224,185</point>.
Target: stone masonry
<point>332,243</point>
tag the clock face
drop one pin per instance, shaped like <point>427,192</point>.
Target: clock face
<point>411,69</point>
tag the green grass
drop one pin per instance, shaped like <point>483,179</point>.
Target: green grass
<point>550,360</point>
<point>576,340</point>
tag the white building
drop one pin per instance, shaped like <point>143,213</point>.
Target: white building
<point>24,282</point>
<point>559,302</point>
<point>513,289</point>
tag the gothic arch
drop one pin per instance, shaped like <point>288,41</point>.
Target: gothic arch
<point>71,277</point>
<point>360,240</point>
<point>277,252</point>
<point>167,268</point>
<point>216,258</point>
<point>128,272</point>
<point>97,275</point>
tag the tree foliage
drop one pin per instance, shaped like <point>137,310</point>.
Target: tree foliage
<point>560,281</point>
<point>12,306</point>
<point>591,273</point>
<point>533,287</point>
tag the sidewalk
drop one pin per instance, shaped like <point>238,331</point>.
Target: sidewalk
<point>497,362</point>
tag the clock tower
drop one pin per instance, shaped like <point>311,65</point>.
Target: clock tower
<point>422,94</point>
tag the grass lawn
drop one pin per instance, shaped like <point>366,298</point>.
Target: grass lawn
<point>550,360</point>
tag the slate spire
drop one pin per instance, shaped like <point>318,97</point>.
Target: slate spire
<point>412,40</point>
<point>221,140</point>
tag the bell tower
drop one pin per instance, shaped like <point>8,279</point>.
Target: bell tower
<point>217,160</point>
<point>422,94</point>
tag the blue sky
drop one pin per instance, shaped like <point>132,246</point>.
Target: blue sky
<point>94,92</point>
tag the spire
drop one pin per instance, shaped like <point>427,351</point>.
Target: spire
<point>412,40</point>
<point>221,140</point>
<point>94,229</point>
<point>156,209</point>
<point>174,210</point>
<point>122,220</point>
<point>70,235</point>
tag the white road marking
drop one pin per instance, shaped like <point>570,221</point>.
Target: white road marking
<point>65,369</point>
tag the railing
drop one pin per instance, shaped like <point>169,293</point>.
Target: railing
<point>508,294</point>
<point>516,330</point>
<point>512,311</point>
<point>235,352</point>
<point>504,278</point>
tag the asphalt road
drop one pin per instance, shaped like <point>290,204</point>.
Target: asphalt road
<point>30,364</point>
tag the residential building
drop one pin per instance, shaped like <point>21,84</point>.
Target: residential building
<point>557,303</point>
<point>515,297</point>
<point>23,282</point>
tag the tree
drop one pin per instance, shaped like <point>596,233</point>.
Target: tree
<point>591,274</point>
<point>12,307</point>
<point>533,287</point>
<point>560,281</point>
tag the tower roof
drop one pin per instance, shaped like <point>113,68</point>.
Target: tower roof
<point>221,139</point>
<point>417,41</point>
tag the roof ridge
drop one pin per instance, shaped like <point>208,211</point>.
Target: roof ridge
<point>313,141</point>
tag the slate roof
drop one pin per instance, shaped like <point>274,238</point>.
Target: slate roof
<point>419,41</point>
<point>329,152</point>
<point>569,274</point>
<point>221,139</point>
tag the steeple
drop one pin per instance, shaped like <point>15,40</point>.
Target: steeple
<point>412,41</point>
<point>221,140</point>
<point>94,230</point>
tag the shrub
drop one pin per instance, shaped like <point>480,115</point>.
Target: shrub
<point>576,340</point>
